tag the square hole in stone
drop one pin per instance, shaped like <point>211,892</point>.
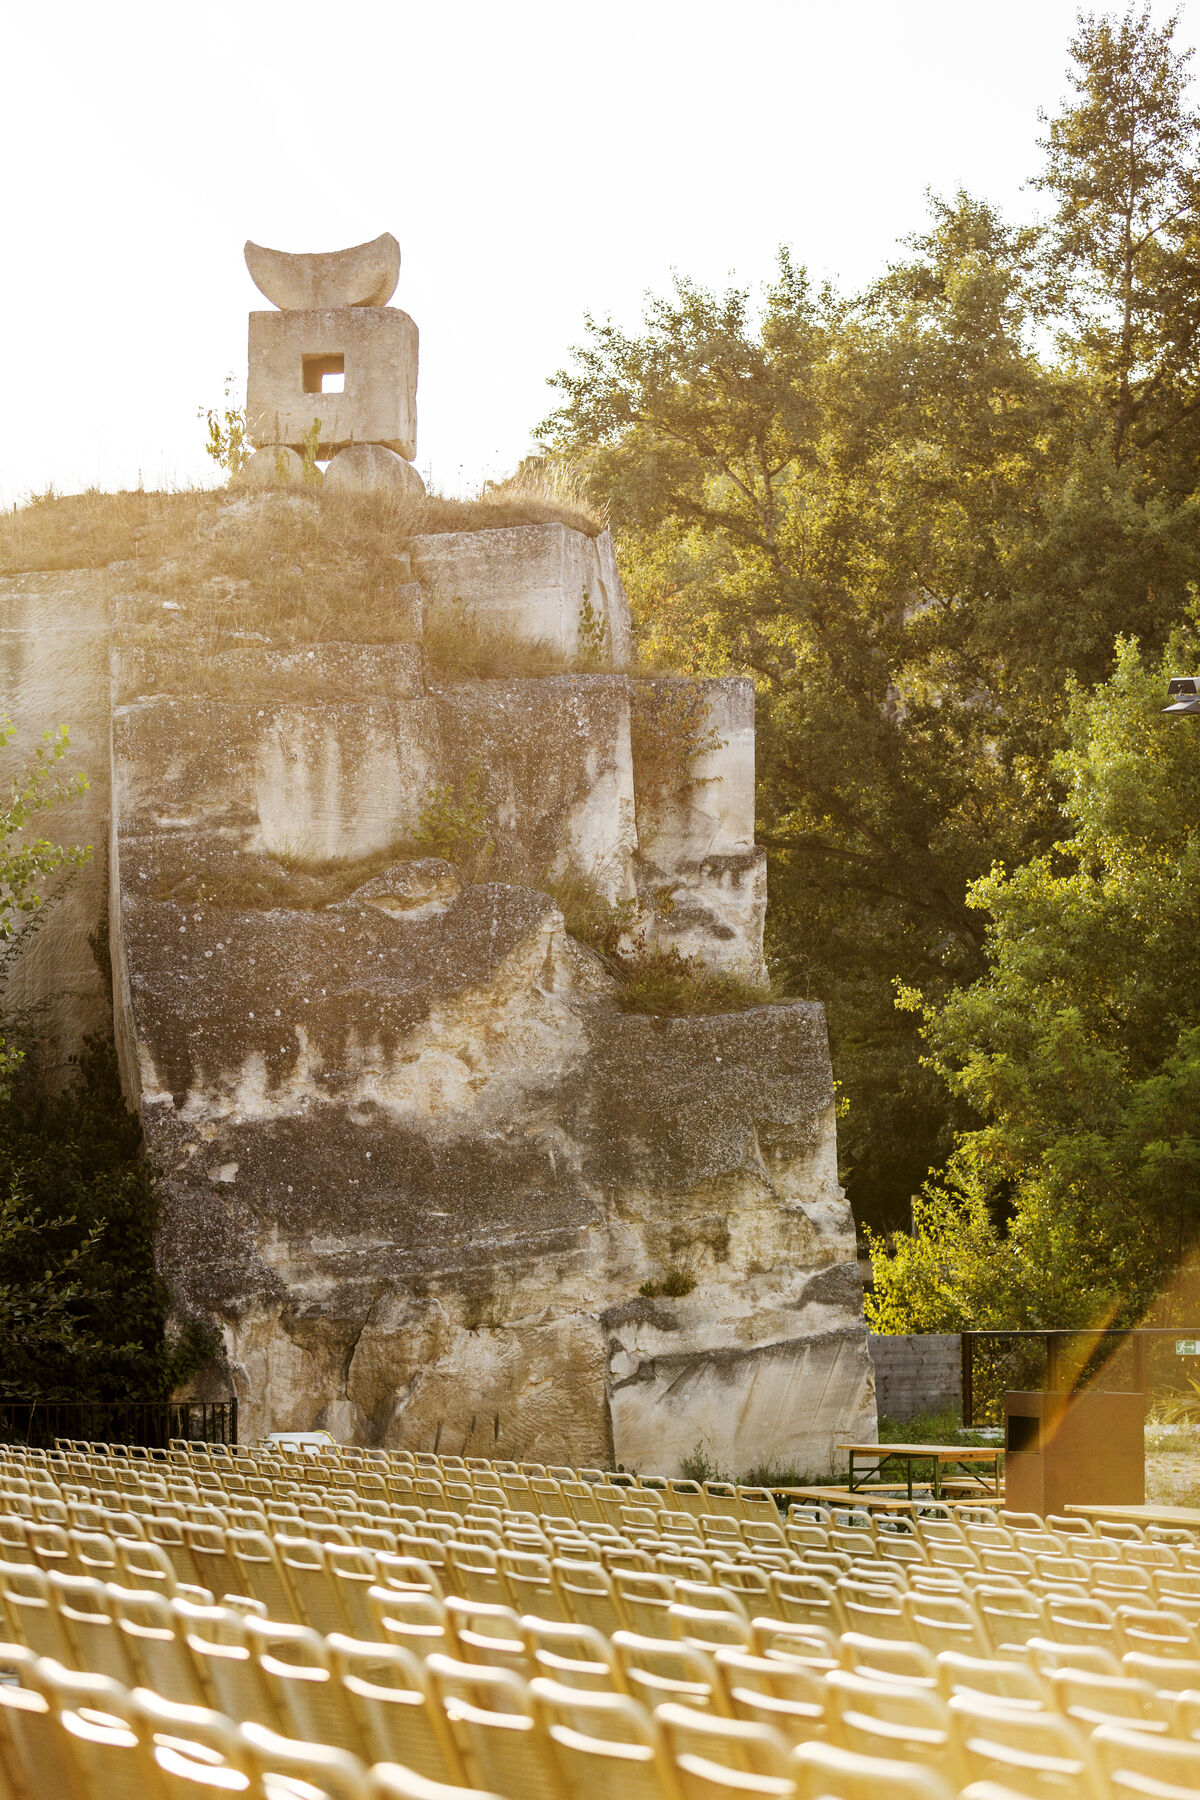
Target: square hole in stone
<point>324,374</point>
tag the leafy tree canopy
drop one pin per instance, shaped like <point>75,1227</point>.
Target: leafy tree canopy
<point>916,515</point>
<point>1079,1049</point>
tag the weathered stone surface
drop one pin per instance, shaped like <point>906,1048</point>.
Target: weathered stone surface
<point>373,348</point>
<point>276,466</point>
<point>417,1163</point>
<point>528,580</point>
<point>695,821</point>
<point>53,671</point>
<point>364,275</point>
<point>367,468</point>
<point>555,769</point>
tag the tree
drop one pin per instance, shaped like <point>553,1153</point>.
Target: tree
<point>1122,165</point>
<point>1079,1049</point>
<point>82,1305</point>
<point>27,864</point>
<point>805,494</point>
<point>915,527</point>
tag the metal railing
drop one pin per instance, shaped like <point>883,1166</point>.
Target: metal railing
<point>150,1423</point>
<point>995,1362</point>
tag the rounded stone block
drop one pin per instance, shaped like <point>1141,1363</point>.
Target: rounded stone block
<point>367,468</point>
<point>364,275</point>
<point>273,466</point>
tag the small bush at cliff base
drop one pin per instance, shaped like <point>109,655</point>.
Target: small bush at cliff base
<point>82,1305</point>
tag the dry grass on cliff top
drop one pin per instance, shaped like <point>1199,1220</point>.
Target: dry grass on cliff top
<point>93,529</point>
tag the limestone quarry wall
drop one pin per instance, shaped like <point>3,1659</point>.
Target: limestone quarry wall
<point>418,1163</point>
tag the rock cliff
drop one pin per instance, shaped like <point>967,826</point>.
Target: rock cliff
<point>432,1178</point>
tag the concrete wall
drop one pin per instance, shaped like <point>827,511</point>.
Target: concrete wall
<point>54,671</point>
<point>916,1374</point>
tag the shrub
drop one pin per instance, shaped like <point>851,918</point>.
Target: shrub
<point>673,1286</point>
<point>670,985</point>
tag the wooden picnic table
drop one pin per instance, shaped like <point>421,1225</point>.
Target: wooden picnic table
<point>874,1498</point>
<point>944,1457</point>
<point>1187,1517</point>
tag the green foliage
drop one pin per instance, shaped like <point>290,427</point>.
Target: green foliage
<point>674,1285</point>
<point>590,917</point>
<point>701,1466</point>
<point>28,863</point>
<point>670,985</point>
<point>228,434</point>
<point>453,823</point>
<point>912,515</point>
<point>1079,1049</point>
<point>82,1306</point>
<point>311,444</point>
<point>593,635</point>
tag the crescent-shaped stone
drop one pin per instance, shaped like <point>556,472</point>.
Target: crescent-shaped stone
<point>364,275</point>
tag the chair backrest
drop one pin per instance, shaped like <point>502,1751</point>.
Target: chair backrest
<point>1136,1763</point>
<point>1018,1746</point>
<point>827,1772</point>
<point>752,1749</point>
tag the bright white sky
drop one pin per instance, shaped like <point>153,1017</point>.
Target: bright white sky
<point>536,160</point>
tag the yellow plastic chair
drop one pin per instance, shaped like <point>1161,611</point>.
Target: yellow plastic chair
<point>827,1772</point>
<point>1093,1700</point>
<point>1137,1763</point>
<point>814,1646</point>
<point>391,1781</point>
<point>227,1668</point>
<point>387,1690</point>
<point>808,1600</point>
<point>750,1749</point>
<point>944,1622</point>
<point>260,1572</point>
<point>891,1719</point>
<point>764,1691</point>
<point>352,1570</point>
<point>645,1601</point>
<point>1010,1617</point>
<point>491,1718</point>
<point>655,1670</point>
<point>399,1571</point>
<point>413,1619</point>
<point>155,1647</point>
<point>606,1748</point>
<point>1071,1620</point>
<point>712,1630</point>
<point>1167,1674</point>
<point>1033,1753</point>
<point>571,1654</point>
<point>29,1613</point>
<point>489,1634</point>
<point>312,1769</point>
<point>1012,1683</point>
<point>888,1659</point>
<point>475,1573</point>
<point>1157,1632</point>
<point>586,1593</point>
<point>306,1695</point>
<point>34,1751</point>
<point>107,1757</point>
<point>86,1611</point>
<point>1093,1659</point>
<point>874,1610</point>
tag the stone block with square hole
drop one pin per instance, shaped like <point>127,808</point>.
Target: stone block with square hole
<point>352,367</point>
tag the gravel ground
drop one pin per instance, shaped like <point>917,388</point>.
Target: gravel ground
<point>1173,1477</point>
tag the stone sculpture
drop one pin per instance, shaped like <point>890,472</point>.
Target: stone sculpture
<point>336,355</point>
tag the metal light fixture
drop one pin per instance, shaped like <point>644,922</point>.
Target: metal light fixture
<point>1183,694</point>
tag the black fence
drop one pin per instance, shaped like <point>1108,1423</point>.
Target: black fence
<point>151,1423</point>
<point>1153,1361</point>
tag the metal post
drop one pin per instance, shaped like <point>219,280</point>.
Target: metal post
<point>1139,1363</point>
<point>968,1389</point>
